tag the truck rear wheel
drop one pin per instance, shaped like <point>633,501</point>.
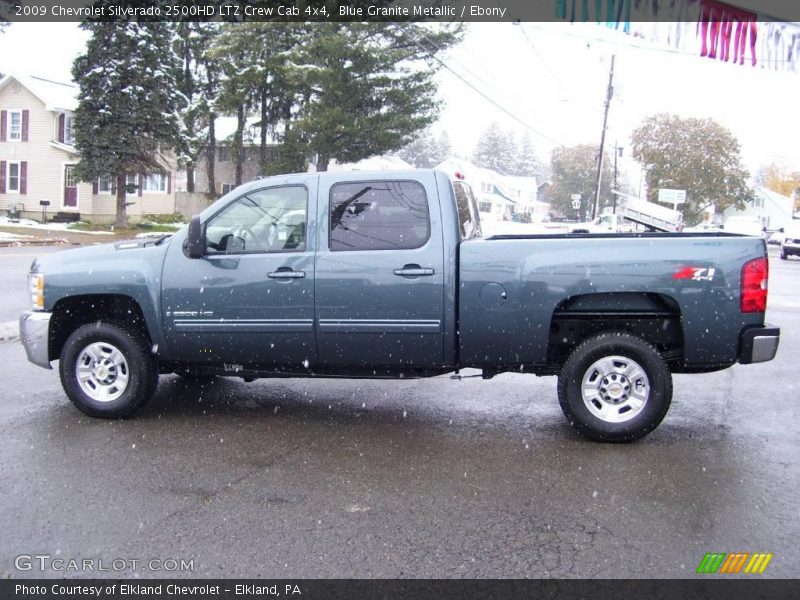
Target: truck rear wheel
<point>615,387</point>
<point>107,371</point>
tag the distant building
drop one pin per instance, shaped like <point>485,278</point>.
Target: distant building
<point>375,163</point>
<point>224,159</point>
<point>773,209</point>
<point>500,197</point>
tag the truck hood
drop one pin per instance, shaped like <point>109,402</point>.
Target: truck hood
<point>99,255</point>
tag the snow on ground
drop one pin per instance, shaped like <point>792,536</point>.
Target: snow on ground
<point>29,224</point>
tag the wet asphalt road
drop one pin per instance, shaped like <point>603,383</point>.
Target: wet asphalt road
<point>427,478</point>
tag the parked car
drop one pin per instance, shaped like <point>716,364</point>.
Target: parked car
<point>387,275</point>
<point>704,228</point>
<point>744,225</point>
<point>790,240</point>
<point>776,238</point>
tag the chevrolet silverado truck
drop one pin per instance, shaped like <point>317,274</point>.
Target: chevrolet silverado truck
<point>387,275</point>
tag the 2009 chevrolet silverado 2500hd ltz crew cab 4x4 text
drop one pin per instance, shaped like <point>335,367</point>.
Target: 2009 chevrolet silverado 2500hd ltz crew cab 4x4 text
<point>387,274</point>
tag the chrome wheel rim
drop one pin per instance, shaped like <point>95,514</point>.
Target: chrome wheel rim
<point>615,389</point>
<point>102,372</point>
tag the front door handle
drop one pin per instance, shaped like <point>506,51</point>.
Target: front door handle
<point>286,274</point>
<point>414,271</point>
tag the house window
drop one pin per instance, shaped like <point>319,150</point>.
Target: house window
<point>131,183</point>
<point>105,184</point>
<point>15,125</point>
<point>485,207</point>
<point>69,132</point>
<point>223,153</point>
<point>227,188</point>
<point>13,178</point>
<point>155,183</point>
<point>486,188</point>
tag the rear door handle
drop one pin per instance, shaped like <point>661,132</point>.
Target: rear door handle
<point>414,271</point>
<point>286,274</point>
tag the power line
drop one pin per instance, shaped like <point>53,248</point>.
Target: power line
<point>475,89</point>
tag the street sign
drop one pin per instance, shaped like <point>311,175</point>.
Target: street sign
<point>667,196</point>
<point>576,204</point>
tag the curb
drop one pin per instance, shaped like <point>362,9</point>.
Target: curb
<point>33,242</point>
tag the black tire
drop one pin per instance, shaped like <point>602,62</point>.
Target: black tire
<point>625,421</point>
<point>784,256</point>
<point>139,370</point>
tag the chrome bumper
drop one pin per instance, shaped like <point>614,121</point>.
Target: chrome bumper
<point>34,331</point>
<point>759,344</point>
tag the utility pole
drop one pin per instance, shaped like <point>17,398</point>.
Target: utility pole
<point>617,153</point>
<point>609,94</point>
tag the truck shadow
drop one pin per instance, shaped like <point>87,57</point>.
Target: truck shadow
<point>411,404</point>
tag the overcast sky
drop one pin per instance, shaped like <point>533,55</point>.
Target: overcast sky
<point>553,78</point>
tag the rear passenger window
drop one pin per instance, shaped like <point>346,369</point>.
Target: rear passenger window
<point>379,215</point>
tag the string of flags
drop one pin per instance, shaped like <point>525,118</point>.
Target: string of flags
<point>712,29</point>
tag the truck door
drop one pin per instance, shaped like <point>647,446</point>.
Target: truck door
<point>379,273</point>
<point>250,299</point>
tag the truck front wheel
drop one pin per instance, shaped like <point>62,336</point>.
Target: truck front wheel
<point>615,387</point>
<point>107,371</point>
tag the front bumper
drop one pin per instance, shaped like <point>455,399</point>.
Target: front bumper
<point>759,344</point>
<point>34,331</point>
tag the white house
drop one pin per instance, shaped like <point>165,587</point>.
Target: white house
<point>773,209</point>
<point>37,158</point>
<point>499,196</point>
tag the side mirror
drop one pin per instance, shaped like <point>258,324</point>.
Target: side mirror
<point>196,239</point>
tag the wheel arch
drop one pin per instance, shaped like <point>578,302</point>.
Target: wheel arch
<point>654,317</point>
<point>72,312</point>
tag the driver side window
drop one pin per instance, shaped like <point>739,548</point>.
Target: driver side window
<point>269,220</point>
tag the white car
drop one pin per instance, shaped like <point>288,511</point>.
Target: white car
<point>744,225</point>
<point>790,244</point>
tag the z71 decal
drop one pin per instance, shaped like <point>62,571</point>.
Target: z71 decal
<point>696,273</point>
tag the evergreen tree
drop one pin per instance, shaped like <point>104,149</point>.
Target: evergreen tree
<point>423,152</point>
<point>496,150</point>
<point>487,150</point>
<point>198,82</point>
<point>366,90</point>
<point>127,118</point>
<point>508,153</point>
<point>443,148</point>
<point>526,163</point>
<point>259,56</point>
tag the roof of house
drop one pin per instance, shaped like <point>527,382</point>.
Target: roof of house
<point>375,163</point>
<point>500,183</point>
<point>56,96</point>
<point>225,128</point>
<point>774,196</point>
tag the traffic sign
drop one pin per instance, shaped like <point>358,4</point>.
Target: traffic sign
<point>667,196</point>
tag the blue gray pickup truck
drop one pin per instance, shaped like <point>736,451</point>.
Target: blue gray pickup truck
<point>387,275</point>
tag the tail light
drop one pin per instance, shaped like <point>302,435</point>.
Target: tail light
<point>755,275</point>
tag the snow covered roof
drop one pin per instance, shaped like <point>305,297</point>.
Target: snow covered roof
<point>225,127</point>
<point>56,96</point>
<point>508,187</point>
<point>375,163</point>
